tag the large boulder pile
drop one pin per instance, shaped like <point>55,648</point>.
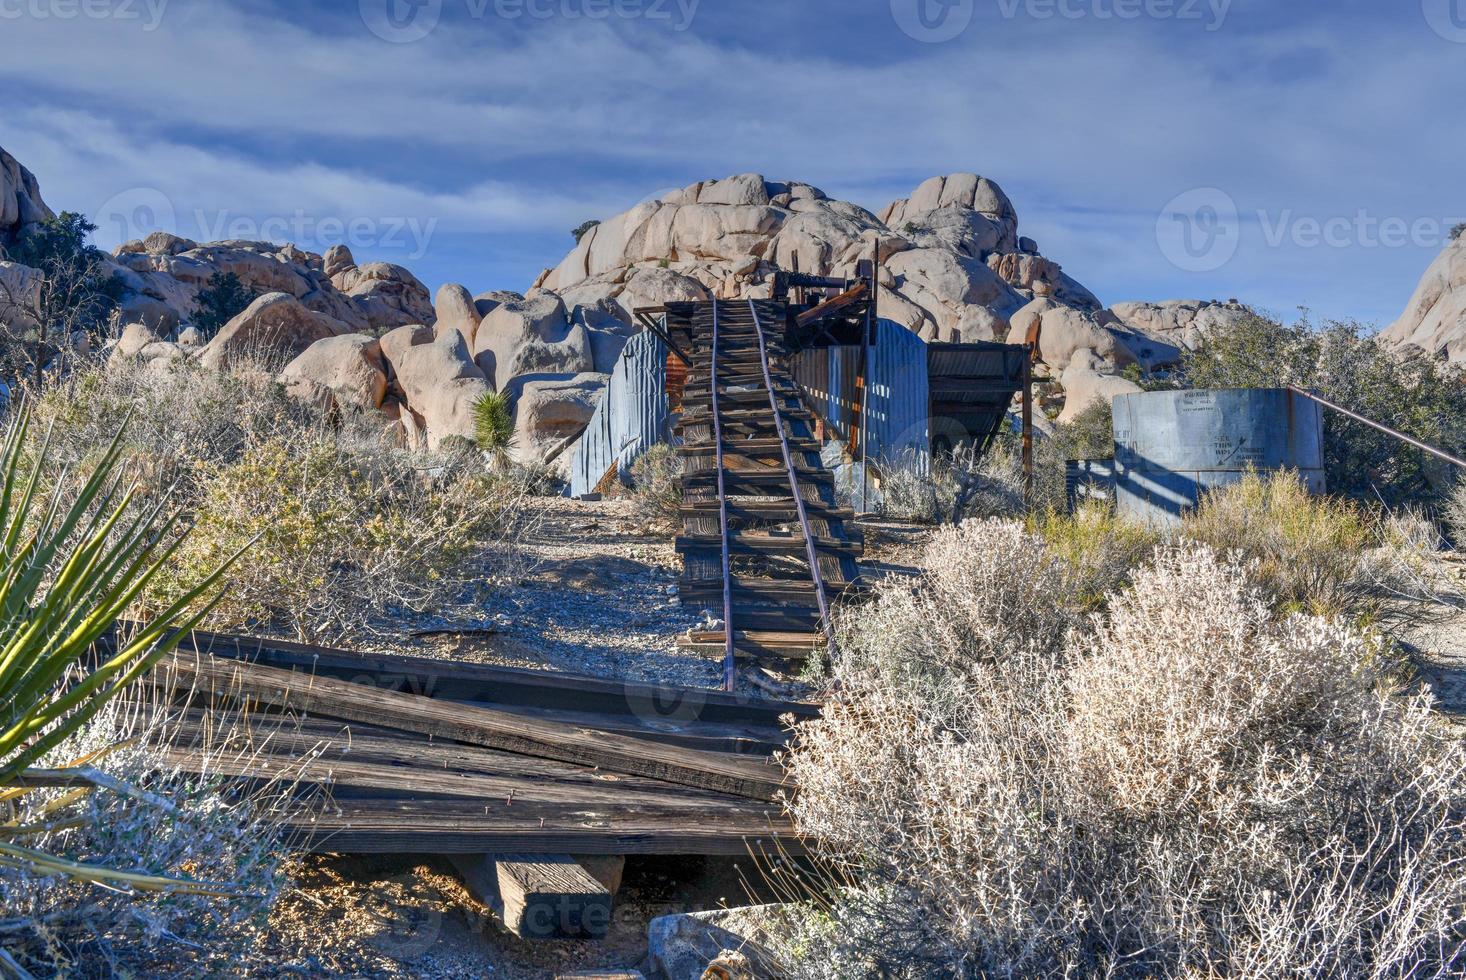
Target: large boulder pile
<point>163,275</point>
<point>952,265</point>
<point>1434,321</point>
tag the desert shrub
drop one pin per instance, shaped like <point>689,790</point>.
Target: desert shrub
<point>1308,553</point>
<point>343,541</point>
<point>179,420</point>
<point>1098,549</point>
<point>167,823</point>
<point>656,486</point>
<point>222,299</point>
<point>352,533</point>
<point>1454,512</point>
<point>1191,786</point>
<point>990,590</point>
<point>1090,435</point>
<point>76,293</point>
<point>1343,362</point>
<point>953,487</point>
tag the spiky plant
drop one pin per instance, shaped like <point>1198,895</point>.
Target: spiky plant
<point>69,569</point>
<point>493,422</point>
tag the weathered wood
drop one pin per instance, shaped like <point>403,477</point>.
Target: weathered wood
<point>503,685</point>
<point>490,728</point>
<point>466,827</point>
<point>550,896</point>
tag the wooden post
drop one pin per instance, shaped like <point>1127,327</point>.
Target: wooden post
<point>1028,426</point>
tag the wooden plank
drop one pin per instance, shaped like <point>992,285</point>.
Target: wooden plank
<point>467,827</point>
<point>490,728</point>
<point>504,685</point>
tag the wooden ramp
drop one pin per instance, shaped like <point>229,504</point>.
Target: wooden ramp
<point>437,757</point>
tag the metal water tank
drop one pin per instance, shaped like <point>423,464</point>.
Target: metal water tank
<point>1171,446</point>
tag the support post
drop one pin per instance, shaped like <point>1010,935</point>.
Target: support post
<point>1028,425</point>
<point>867,336</point>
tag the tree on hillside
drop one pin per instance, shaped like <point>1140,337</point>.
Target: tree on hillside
<point>74,292</point>
<point>222,299</point>
<point>584,228</point>
<point>1347,364</point>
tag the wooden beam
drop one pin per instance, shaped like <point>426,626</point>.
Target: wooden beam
<point>550,896</point>
<point>722,772</point>
<point>833,305</point>
<point>491,684</point>
<point>443,827</point>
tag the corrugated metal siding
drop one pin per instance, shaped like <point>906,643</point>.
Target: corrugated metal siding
<point>898,414</point>
<point>631,418</point>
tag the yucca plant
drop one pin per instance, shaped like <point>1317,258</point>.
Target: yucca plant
<point>493,422</point>
<point>70,567</point>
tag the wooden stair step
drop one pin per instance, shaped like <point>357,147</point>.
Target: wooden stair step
<point>747,543</point>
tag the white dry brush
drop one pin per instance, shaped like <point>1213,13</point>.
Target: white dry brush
<point>1185,786</point>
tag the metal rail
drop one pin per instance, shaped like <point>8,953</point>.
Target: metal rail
<point>730,668</point>
<point>809,546</point>
<point>1438,453</point>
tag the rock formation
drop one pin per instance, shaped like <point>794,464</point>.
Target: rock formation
<point>951,267</point>
<point>1434,321</point>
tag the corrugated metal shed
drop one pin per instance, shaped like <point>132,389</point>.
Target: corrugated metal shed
<point>972,387</point>
<point>898,413</point>
<point>631,417</point>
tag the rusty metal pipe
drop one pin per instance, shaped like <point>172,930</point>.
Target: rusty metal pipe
<point>1438,453</point>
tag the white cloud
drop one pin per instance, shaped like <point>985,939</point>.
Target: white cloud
<point>1113,120</point>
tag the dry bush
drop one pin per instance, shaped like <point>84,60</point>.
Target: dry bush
<point>1098,549</point>
<point>166,822</point>
<point>1189,787</point>
<point>953,487</point>
<point>1315,554</point>
<point>355,537</point>
<point>345,542</point>
<point>656,486</point>
<point>990,591</point>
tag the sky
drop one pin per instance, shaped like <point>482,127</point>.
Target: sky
<point>1288,154</point>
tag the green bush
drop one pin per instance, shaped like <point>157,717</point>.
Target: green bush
<point>656,486</point>
<point>1412,393</point>
<point>222,299</point>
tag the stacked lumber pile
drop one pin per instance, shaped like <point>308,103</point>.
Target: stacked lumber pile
<point>436,757</point>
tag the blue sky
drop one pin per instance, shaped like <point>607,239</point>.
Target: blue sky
<point>1284,153</point>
